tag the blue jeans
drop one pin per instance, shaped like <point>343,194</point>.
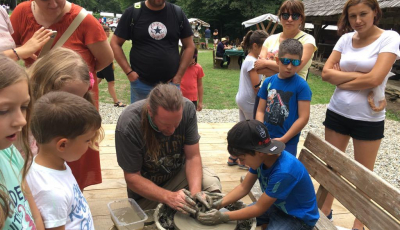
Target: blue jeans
<point>278,220</point>
<point>292,149</point>
<point>140,90</point>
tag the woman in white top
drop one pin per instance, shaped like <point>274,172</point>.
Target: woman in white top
<point>360,61</point>
<point>291,14</point>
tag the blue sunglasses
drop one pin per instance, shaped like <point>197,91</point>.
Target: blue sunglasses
<point>286,61</point>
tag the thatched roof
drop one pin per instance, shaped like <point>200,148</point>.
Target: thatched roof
<point>335,7</point>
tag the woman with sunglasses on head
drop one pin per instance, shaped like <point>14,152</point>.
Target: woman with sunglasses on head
<point>359,62</point>
<point>291,15</point>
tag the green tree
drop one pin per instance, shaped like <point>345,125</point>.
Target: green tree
<point>227,15</point>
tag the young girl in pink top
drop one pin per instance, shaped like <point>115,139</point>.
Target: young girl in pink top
<point>192,84</point>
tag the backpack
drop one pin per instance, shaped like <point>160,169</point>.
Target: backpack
<point>137,10</point>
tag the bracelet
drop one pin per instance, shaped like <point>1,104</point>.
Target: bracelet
<point>16,54</point>
<point>129,72</point>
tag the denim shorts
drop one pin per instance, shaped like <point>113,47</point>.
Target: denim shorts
<point>278,220</point>
<point>359,130</point>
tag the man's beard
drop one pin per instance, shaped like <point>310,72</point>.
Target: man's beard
<point>156,3</point>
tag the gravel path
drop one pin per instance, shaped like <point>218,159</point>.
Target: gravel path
<point>387,164</point>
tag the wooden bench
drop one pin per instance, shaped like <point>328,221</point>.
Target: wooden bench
<point>217,60</point>
<point>371,199</point>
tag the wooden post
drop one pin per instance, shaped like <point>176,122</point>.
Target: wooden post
<point>268,26</point>
<point>262,25</point>
<point>273,29</point>
<point>258,26</point>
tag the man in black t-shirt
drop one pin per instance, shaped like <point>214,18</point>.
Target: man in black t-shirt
<point>154,56</point>
<point>157,146</point>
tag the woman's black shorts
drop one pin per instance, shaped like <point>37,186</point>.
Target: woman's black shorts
<point>359,130</point>
<point>107,73</point>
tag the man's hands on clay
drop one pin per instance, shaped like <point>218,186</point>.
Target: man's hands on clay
<point>182,202</point>
<point>212,217</point>
<point>203,198</point>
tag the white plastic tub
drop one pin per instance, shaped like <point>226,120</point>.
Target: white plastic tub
<point>127,215</point>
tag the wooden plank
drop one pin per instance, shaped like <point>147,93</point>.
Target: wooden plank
<point>273,29</point>
<point>321,196</point>
<point>268,26</point>
<point>262,25</point>
<point>258,27</point>
<point>367,181</point>
<point>367,212</point>
<point>324,223</point>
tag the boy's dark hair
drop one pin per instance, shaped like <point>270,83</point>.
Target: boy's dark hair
<point>290,46</point>
<point>61,114</point>
<point>240,152</point>
<point>106,28</point>
<point>252,37</point>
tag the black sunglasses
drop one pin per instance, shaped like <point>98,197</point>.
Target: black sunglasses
<point>286,16</point>
<point>286,61</point>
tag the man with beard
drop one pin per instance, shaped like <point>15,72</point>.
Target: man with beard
<point>157,145</point>
<point>155,27</point>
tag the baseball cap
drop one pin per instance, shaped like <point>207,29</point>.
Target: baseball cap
<point>253,135</point>
<point>223,39</point>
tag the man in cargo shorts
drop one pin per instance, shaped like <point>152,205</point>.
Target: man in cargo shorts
<point>157,144</point>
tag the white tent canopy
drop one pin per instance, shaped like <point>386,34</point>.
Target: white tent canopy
<point>105,14</point>
<point>261,18</point>
<point>119,15</point>
<point>196,20</point>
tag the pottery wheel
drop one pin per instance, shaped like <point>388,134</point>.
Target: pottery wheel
<point>184,222</point>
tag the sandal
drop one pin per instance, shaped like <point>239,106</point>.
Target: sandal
<point>233,161</point>
<point>243,167</point>
<point>119,104</point>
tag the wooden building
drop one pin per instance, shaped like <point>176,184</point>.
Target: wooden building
<point>322,13</point>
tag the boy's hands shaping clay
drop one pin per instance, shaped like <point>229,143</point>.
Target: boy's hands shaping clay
<point>203,198</point>
<point>212,217</point>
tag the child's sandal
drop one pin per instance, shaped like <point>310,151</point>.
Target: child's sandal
<point>119,104</point>
<point>233,161</point>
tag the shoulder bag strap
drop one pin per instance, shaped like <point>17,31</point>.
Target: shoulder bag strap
<point>72,27</point>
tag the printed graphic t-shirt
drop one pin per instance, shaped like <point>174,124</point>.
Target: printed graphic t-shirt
<point>132,155</point>
<point>11,164</point>
<point>189,81</point>
<point>282,96</point>
<point>154,54</point>
<point>272,44</point>
<point>58,198</point>
<point>288,181</point>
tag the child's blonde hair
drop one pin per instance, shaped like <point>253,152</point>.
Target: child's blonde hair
<point>52,71</point>
<point>10,74</point>
<point>62,114</point>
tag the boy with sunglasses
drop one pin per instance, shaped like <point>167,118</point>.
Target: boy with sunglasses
<point>285,97</point>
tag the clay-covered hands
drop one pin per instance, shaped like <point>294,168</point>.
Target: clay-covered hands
<point>212,217</point>
<point>203,198</point>
<point>182,202</point>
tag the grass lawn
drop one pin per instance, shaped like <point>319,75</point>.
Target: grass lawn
<point>220,86</point>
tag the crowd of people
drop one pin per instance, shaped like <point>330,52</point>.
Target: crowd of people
<point>51,127</point>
